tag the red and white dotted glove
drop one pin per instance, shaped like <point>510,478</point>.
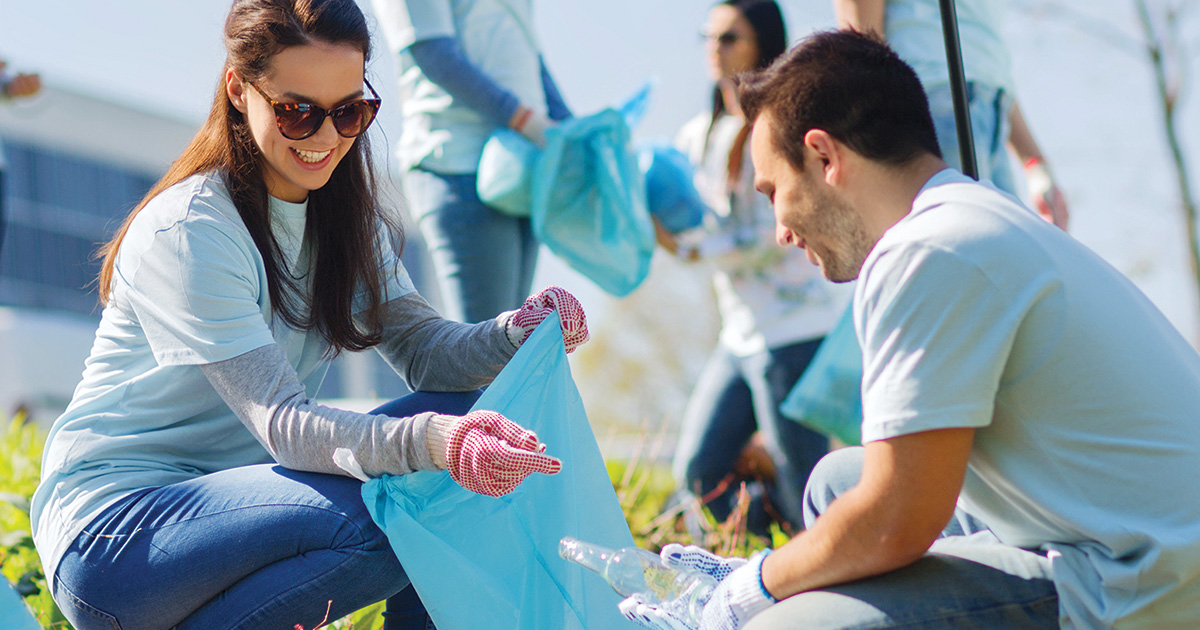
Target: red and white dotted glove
<point>489,454</point>
<point>539,306</point>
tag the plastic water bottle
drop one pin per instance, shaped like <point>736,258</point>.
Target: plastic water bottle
<point>634,571</point>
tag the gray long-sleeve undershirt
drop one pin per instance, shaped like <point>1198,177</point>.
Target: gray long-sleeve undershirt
<point>431,354</point>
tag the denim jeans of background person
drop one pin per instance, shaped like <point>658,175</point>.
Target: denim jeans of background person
<point>252,512</point>
<point>913,28</point>
<point>775,307</point>
<point>733,398</point>
<point>467,68</point>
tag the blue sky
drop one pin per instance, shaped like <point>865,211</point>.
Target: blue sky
<point>1090,102</point>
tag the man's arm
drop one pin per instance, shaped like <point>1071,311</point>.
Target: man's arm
<point>905,497</point>
<point>861,15</point>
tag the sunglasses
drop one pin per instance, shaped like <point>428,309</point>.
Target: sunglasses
<point>298,121</point>
<point>728,38</point>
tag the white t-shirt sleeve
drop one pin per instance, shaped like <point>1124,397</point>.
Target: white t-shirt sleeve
<point>195,290</point>
<point>406,22</point>
<point>936,333</point>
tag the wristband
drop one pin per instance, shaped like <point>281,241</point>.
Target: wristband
<point>522,118</point>
<point>1034,161</point>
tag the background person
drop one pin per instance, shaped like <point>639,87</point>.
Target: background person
<point>775,309</point>
<point>913,28</point>
<point>1028,414</point>
<point>467,68</point>
<point>191,483</point>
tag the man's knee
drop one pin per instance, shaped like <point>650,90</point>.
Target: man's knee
<point>836,473</point>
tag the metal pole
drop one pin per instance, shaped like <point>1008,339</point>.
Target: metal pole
<point>958,89</point>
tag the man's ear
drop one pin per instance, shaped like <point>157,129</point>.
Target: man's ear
<point>826,154</point>
<point>235,88</point>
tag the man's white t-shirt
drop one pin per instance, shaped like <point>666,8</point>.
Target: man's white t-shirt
<point>974,312</point>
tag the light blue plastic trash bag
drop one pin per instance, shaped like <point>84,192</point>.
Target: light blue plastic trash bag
<point>14,614</point>
<point>589,202</point>
<point>505,178</point>
<point>671,195</point>
<point>483,562</point>
<point>828,396</point>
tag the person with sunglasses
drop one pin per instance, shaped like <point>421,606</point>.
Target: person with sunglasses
<point>191,482</point>
<point>775,309</point>
<point>466,69</point>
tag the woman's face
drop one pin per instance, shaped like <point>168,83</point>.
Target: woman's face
<point>730,42</point>
<point>325,75</point>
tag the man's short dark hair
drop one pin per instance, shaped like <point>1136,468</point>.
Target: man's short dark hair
<point>850,85</point>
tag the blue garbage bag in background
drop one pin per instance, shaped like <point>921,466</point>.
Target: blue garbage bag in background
<point>484,562</point>
<point>505,177</point>
<point>828,396</point>
<point>671,195</point>
<point>589,202</point>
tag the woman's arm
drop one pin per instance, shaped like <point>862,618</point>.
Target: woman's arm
<point>263,390</point>
<point>434,354</point>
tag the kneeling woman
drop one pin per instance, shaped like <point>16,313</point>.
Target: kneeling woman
<point>190,483</point>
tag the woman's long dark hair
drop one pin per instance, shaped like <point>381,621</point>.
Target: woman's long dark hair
<point>343,228</point>
<point>770,33</point>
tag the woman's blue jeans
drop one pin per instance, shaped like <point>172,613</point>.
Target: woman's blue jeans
<point>484,259</point>
<point>967,580</point>
<point>254,547</point>
<point>735,397</point>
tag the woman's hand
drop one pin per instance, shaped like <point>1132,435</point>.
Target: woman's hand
<point>487,453</point>
<point>539,306</point>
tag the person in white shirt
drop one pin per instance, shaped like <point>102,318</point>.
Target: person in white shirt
<point>1029,416</point>
<point>774,310</point>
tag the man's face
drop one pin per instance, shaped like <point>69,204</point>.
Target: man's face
<point>808,212</point>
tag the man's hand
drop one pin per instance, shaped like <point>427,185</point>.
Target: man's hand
<point>739,596</point>
<point>488,453</point>
<point>693,558</point>
<point>539,306</point>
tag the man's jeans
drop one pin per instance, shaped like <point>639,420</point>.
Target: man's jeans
<point>246,548</point>
<point>968,579</point>
<point>484,259</point>
<point>989,130</point>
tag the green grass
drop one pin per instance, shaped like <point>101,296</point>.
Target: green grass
<point>20,463</point>
<point>643,487</point>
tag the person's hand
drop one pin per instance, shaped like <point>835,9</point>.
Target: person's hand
<point>693,558</point>
<point>539,306</point>
<point>487,453</point>
<point>20,85</point>
<point>531,124</point>
<point>739,595</point>
<point>1047,198</point>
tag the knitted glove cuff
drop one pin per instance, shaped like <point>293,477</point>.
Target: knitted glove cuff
<point>747,594</point>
